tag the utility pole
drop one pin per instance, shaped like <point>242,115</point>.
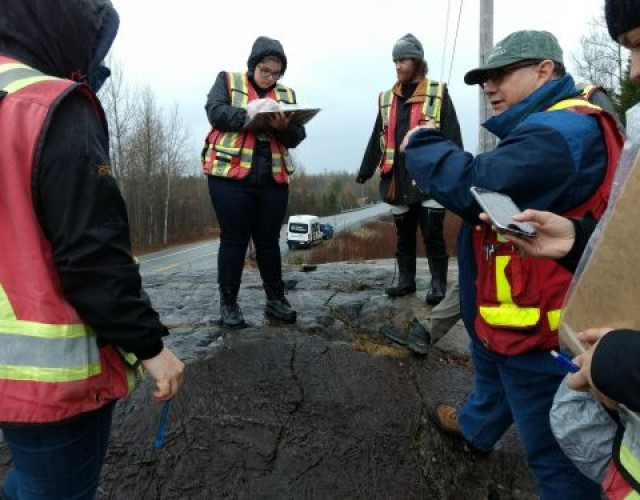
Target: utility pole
<point>486,140</point>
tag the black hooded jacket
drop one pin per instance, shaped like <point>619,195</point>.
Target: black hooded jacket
<point>223,116</point>
<point>80,209</point>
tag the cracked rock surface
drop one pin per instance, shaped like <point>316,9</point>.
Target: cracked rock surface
<point>325,408</point>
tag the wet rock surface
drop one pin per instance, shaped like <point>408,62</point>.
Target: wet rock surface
<point>325,408</point>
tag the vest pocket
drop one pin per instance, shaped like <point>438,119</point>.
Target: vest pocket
<point>508,296</point>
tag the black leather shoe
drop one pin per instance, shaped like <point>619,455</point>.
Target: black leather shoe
<point>281,310</point>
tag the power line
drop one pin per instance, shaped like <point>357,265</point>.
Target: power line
<point>446,35</point>
<point>455,41</point>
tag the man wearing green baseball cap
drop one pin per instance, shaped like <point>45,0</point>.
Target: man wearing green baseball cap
<point>557,152</point>
<point>520,49</point>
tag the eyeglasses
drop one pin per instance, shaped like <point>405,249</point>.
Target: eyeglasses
<point>497,75</point>
<point>269,73</point>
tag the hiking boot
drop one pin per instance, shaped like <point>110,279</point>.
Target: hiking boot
<point>277,306</point>
<point>445,418</point>
<point>281,310</point>
<point>415,337</point>
<point>230,313</point>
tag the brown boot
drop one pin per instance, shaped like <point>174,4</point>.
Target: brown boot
<point>445,418</point>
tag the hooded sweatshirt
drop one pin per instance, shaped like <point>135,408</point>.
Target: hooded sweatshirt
<point>77,202</point>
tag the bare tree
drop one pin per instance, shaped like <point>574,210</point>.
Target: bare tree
<point>601,61</point>
<point>175,159</point>
<point>116,99</point>
<point>148,143</point>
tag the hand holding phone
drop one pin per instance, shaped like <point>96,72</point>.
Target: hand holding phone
<point>500,209</point>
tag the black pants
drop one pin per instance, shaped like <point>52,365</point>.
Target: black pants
<point>431,223</point>
<point>248,211</point>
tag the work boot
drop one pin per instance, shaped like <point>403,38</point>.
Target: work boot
<point>445,418</point>
<point>277,306</point>
<point>438,286</point>
<point>415,338</point>
<point>230,314</point>
<point>406,277</point>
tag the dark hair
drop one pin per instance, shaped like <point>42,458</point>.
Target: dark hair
<point>421,66</point>
<point>559,70</point>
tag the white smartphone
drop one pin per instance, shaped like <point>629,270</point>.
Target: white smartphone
<point>500,208</point>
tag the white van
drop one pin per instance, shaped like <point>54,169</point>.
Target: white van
<point>303,231</point>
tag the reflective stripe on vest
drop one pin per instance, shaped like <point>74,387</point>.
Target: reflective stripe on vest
<point>430,108</point>
<point>16,76</point>
<point>65,352</point>
<point>508,314</point>
<point>230,154</point>
<point>627,450</point>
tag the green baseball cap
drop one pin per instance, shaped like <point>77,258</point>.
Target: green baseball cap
<point>518,46</point>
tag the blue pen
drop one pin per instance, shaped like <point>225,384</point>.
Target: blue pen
<point>163,424</point>
<point>565,361</point>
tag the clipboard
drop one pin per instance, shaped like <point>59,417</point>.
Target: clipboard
<point>607,291</point>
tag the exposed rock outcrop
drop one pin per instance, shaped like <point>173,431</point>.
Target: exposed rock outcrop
<point>325,408</point>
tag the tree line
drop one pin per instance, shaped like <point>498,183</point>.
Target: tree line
<point>603,62</point>
<point>159,175</point>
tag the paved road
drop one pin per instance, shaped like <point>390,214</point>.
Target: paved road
<point>203,254</point>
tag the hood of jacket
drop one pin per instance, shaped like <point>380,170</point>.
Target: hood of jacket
<point>263,47</point>
<point>539,100</point>
<point>63,38</point>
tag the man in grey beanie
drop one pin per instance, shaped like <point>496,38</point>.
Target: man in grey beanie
<point>412,100</point>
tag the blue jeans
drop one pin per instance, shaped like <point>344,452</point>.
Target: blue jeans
<point>520,389</point>
<point>248,211</point>
<point>59,461</point>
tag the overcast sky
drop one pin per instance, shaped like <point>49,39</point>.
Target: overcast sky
<point>339,56</point>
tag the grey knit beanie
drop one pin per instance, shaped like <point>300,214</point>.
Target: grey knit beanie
<point>622,16</point>
<point>408,47</point>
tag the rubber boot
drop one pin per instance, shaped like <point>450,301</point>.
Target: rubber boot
<point>438,286</point>
<point>230,314</point>
<point>406,277</point>
<point>277,306</point>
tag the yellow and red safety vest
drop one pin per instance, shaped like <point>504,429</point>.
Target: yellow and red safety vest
<point>622,481</point>
<point>51,367</point>
<point>229,154</point>
<point>426,103</point>
<point>520,298</point>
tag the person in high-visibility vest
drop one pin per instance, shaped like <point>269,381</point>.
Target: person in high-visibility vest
<point>413,99</point>
<point>248,171</point>
<point>557,151</point>
<point>610,368</point>
<point>76,328</point>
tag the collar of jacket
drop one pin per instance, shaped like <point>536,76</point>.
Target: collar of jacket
<point>419,94</point>
<point>539,100</point>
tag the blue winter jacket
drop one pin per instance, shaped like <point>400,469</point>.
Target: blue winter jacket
<point>545,160</point>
